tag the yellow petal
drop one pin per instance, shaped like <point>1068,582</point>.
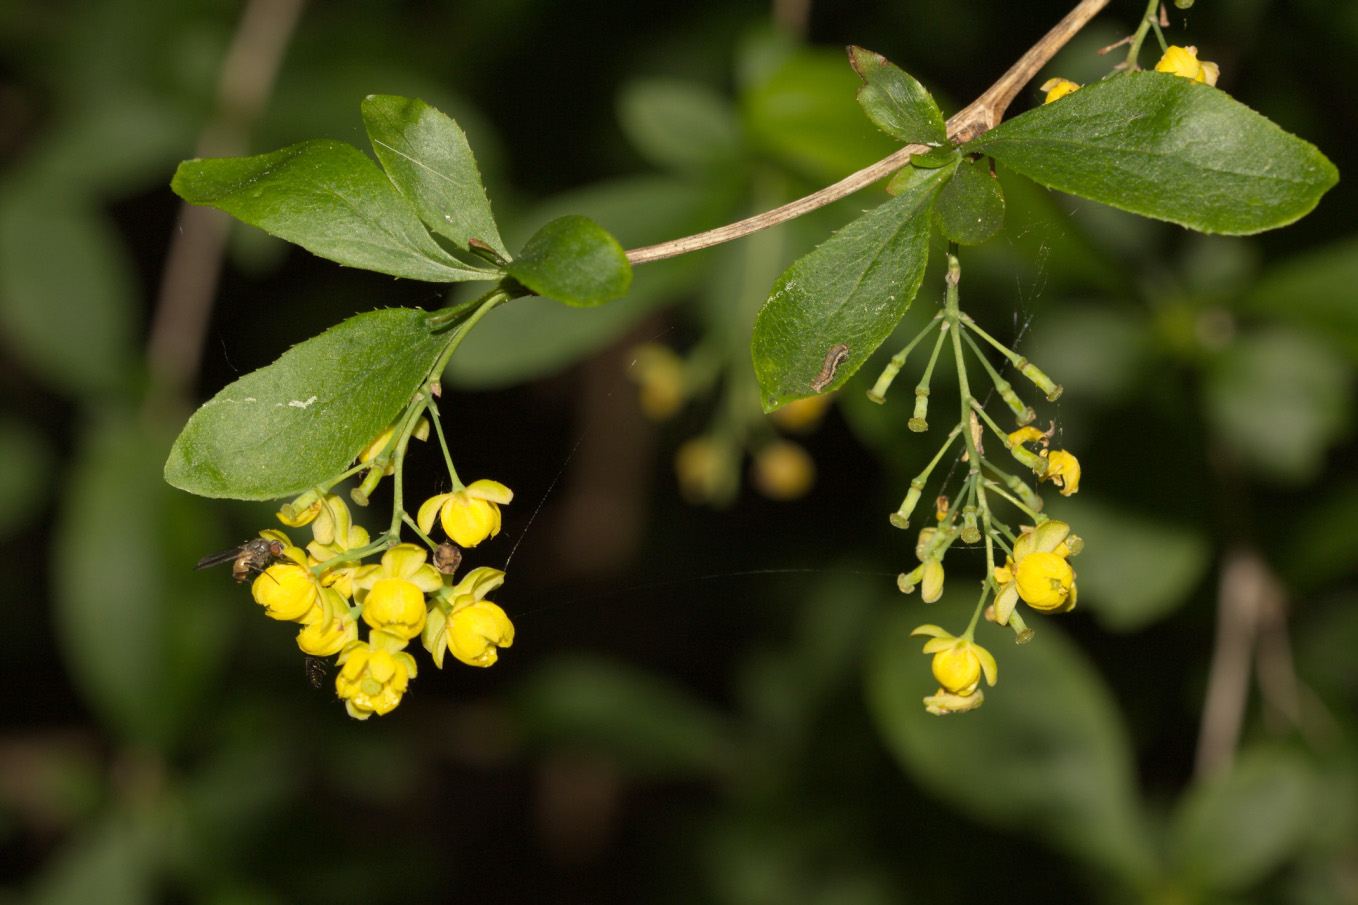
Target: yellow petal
<point>429,510</point>
<point>1005,602</point>
<point>934,645</point>
<point>493,491</point>
<point>988,665</point>
<point>1058,88</point>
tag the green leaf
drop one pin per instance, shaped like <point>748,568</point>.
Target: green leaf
<point>426,156</point>
<point>678,124</point>
<point>642,722</point>
<point>935,158</point>
<point>1314,290</point>
<point>24,480</point>
<point>573,260</point>
<point>1135,570</point>
<point>1045,754</point>
<point>970,208</point>
<point>851,290</point>
<point>67,292</point>
<point>895,102</point>
<point>1279,398</point>
<point>536,336</point>
<point>332,200</point>
<point>1236,828</point>
<point>1166,147</point>
<point>140,632</point>
<point>803,114</point>
<point>303,419</point>
<point>118,858</point>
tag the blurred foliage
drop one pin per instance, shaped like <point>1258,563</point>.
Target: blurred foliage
<point>686,715</point>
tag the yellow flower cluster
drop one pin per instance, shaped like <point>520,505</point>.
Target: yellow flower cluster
<point>708,466</point>
<point>1181,61</point>
<point>327,589</point>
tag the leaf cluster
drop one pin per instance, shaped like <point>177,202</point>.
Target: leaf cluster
<point>424,215</point>
<point>1146,142</point>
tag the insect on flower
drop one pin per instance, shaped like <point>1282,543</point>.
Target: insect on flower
<point>316,668</point>
<point>250,558</point>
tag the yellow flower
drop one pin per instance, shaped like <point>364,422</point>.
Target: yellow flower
<point>958,662</point>
<point>944,702</point>
<point>473,629</point>
<point>336,534</point>
<point>378,444</point>
<point>1038,573</point>
<point>469,515</point>
<point>393,593</point>
<point>1026,434</point>
<point>931,587</point>
<point>477,631</point>
<point>659,375</point>
<point>802,415</point>
<point>302,510</point>
<point>1058,88</point>
<point>395,606</point>
<point>707,470</point>
<point>783,470</point>
<point>334,526</point>
<point>1183,61</point>
<point>287,590</point>
<point>372,680</point>
<point>328,627</point>
<point>1063,469</point>
<point>1044,581</point>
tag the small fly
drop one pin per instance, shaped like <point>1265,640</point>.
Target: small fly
<point>250,558</point>
<point>316,669</point>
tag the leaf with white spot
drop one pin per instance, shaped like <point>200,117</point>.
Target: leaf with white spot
<point>303,419</point>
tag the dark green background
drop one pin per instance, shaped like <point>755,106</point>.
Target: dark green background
<point>679,720</point>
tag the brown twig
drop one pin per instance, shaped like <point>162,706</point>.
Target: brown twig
<point>978,117</point>
<point>1248,591</point>
<point>194,259</point>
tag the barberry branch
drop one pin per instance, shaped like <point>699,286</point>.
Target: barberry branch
<point>978,117</point>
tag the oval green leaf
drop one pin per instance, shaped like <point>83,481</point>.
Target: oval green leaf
<point>850,291</point>
<point>1166,147</point>
<point>575,261</point>
<point>895,102</point>
<point>67,292</point>
<point>427,158</point>
<point>1233,829</point>
<point>970,208</point>
<point>332,200</point>
<point>1046,752</point>
<point>142,635</point>
<point>303,419</point>
<point>647,725</point>
<point>680,125</point>
<point>1135,570</point>
<point>801,113</point>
